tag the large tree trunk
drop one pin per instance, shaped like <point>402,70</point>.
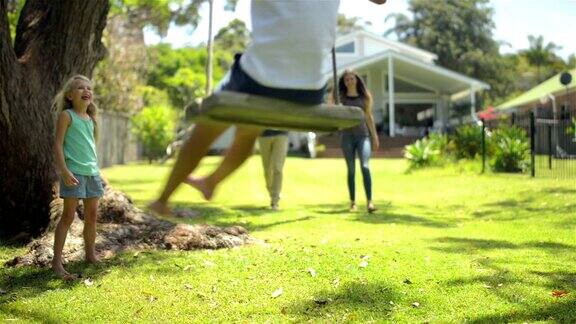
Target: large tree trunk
<point>54,40</point>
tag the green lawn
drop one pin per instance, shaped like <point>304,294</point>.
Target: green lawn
<point>447,245</point>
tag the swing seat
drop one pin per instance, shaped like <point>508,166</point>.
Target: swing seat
<point>245,109</point>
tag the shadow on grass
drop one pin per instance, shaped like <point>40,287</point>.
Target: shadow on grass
<point>559,312</point>
<point>236,215</point>
<point>30,281</point>
<point>371,299</point>
<point>383,215</point>
<point>460,245</point>
<point>529,307</point>
<point>532,204</point>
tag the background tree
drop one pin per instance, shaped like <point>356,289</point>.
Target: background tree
<point>350,24</point>
<point>543,56</point>
<point>49,46</point>
<point>461,33</point>
<point>233,38</point>
<point>52,41</point>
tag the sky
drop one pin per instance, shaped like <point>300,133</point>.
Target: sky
<point>514,20</point>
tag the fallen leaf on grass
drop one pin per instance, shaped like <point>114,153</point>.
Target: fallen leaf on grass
<point>209,264</point>
<point>336,282</point>
<point>363,264</point>
<point>322,301</point>
<point>559,293</point>
<point>277,292</point>
<point>312,272</point>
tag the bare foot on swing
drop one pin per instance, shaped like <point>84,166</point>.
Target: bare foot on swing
<point>159,208</point>
<point>202,185</point>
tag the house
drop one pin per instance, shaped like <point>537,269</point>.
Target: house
<point>545,98</point>
<point>554,106</point>
<point>411,93</point>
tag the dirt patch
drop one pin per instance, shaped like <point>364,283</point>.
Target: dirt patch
<point>122,226</point>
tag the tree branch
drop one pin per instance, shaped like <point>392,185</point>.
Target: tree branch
<point>7,65</point>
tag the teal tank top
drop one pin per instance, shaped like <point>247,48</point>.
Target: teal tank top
<point>80,147</point>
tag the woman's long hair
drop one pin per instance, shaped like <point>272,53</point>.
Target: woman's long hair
<point>360,86</point>
<point>61,102</point>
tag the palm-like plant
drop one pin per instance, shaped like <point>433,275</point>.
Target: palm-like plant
<point>540,54</point>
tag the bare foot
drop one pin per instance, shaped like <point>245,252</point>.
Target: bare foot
<point>159,208</point>
<point>62,273</point>
<point>202,185</point>
<point>92,259</point>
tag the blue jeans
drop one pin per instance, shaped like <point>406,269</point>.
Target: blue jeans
<point>352,144</point>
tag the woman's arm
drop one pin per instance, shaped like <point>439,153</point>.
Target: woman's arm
<point>61,127</point>
<point>370,122</point>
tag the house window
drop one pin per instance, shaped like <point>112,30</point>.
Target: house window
<point>348,48</point>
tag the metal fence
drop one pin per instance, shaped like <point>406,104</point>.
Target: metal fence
<point>552,137</point>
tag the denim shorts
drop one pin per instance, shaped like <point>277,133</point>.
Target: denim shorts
<point>237,80</point>
<point>89,187</point>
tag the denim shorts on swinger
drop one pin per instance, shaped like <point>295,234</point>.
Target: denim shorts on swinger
<point>237,80</point>
<point>89,187</point>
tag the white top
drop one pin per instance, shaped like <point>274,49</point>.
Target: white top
<point>291,43</point>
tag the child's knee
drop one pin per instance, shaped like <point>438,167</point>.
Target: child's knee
<point>90,215</point>
<point>67,217</point>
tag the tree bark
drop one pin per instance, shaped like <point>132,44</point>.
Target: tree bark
<point>54,40</point>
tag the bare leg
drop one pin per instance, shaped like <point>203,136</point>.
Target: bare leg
<point>90,216</point>
<point>60,237</point>
<point>240,150</point>
<point>193,150</point>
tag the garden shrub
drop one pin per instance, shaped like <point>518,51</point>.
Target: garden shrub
<point>467,141</point>
<point>154,127</point>
<point>510,150</point>
<point>422,153</point>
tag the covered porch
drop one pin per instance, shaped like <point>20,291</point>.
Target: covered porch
<point>412,97</point>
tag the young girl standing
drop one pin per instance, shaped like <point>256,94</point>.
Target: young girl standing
<point>77,162</point>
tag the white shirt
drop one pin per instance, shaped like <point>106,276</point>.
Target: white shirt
<point>291,43</point>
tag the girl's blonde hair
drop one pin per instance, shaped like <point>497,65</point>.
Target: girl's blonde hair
<point>61,101</point>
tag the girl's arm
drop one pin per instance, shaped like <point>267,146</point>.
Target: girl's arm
<point>371,127</point>
<point>61,127</point>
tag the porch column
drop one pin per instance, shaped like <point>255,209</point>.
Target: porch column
<point>473,104</point>
<point>391,107</point>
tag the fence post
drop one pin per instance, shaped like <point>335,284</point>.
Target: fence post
<point>483,145</point>
<point>550,147</point>
<point>532,145</point>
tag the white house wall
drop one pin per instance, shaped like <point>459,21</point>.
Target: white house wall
<point>372,47</point>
